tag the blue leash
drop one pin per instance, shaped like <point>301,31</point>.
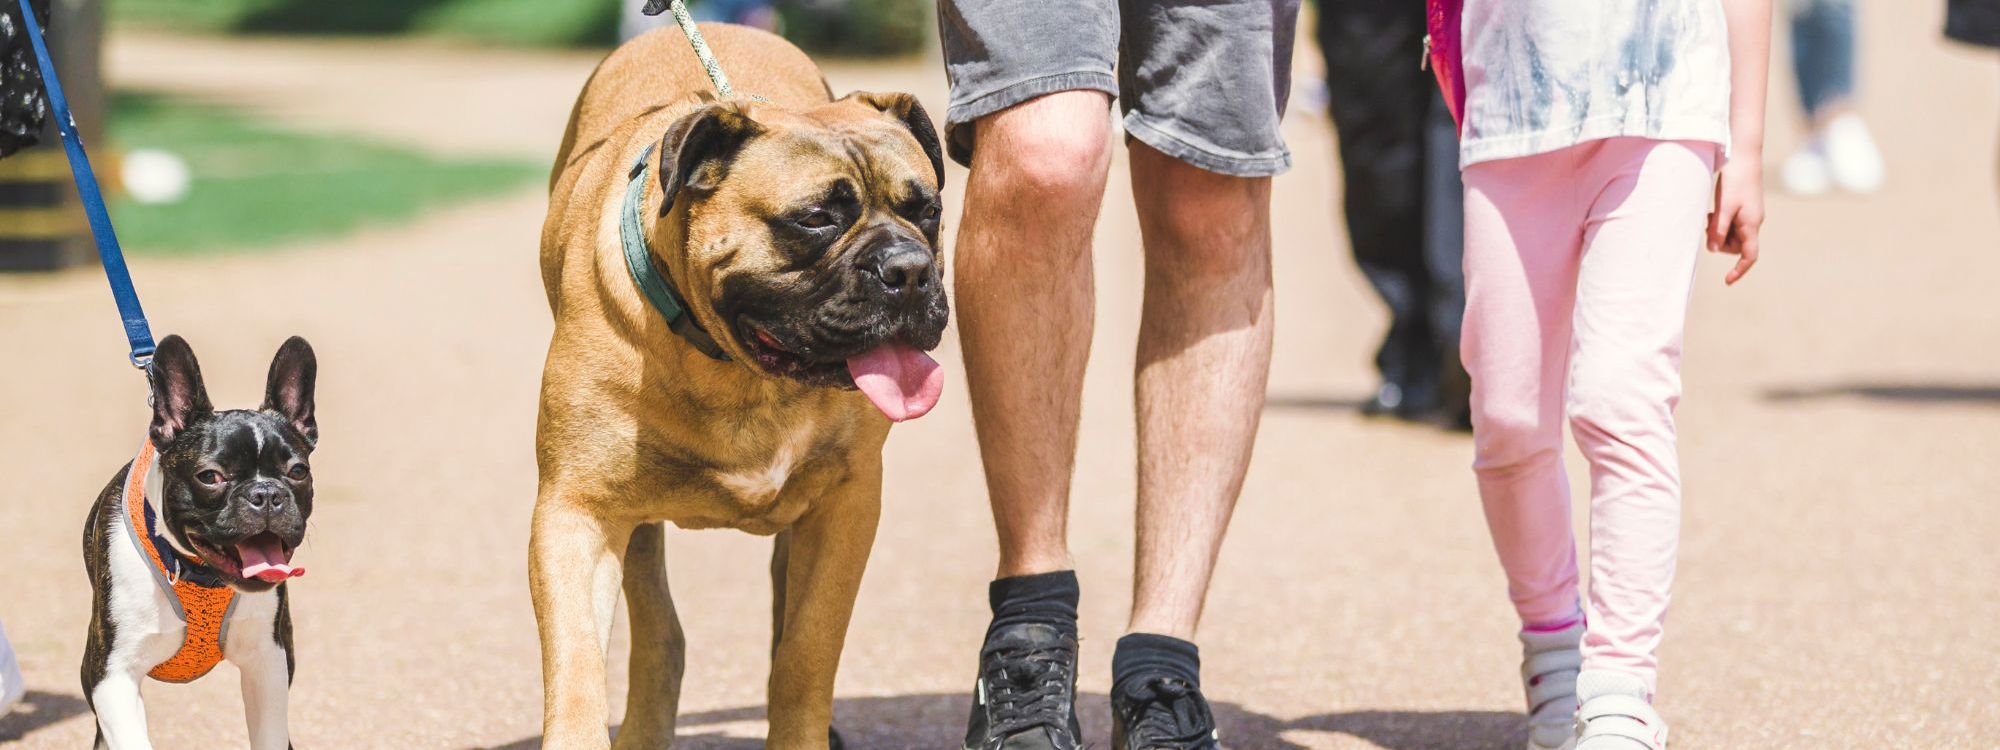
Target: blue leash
<point>137,333</point>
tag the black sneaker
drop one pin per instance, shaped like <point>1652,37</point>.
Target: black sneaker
<point>1026,695</point>
<point>1161,713</point>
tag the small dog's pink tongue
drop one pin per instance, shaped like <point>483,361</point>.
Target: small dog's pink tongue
<point>265,559</point>
<point>898,378</point>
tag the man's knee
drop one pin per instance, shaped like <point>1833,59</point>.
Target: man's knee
<point>1199,223</point>
<point>1052,150</point>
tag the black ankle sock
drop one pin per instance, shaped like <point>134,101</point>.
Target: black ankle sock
<point>1046,598</point>
<point>1146,654</point>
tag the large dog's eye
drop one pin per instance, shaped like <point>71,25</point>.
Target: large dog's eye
<point>932,210</point>
<point>298,472</point>
<point>816,218</point>
<point>210,477</point>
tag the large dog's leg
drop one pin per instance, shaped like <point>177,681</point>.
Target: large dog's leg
<point>573,575</point>
<point>781,555</point>
<point>659,647</point>
<point>823,558</point>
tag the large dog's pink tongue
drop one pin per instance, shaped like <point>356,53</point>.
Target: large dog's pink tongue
<point>898,378</point>
<point>265,559</point>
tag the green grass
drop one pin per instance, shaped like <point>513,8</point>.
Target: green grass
<point>851,27</point>
<point>256,186</point>
<point>545,23</point>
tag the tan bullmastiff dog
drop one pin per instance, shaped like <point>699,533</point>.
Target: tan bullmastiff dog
<point>743,294</point>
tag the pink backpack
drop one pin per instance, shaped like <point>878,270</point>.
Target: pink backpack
<point>1445,56</point>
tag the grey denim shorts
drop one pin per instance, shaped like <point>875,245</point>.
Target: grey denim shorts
<point>1203,81</point>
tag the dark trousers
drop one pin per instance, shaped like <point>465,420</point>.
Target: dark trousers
<point>1404,201</point>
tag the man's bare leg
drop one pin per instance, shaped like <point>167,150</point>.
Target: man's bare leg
<point>1025,300</point>
<point>1204,358</point>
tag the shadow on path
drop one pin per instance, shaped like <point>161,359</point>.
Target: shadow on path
<point>1311,402</point>
<point>39,709</point>
<point>1917,393</point>
<point>937,722</point>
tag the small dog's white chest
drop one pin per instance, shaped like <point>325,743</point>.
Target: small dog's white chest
<point>148,631</point>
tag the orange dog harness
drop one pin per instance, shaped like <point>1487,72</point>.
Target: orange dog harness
<point>199,595</point>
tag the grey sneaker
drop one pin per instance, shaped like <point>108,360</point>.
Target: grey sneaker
<point>1616,714</point>
<point>1549,665</point>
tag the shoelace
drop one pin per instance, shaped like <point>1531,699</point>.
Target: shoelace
<point>1029,687</point>
<point>1167,713</point>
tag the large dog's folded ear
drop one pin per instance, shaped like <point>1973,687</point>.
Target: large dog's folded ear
<point>694,153</point>
<point>906,109</point>
<point>178,394</point>
<point>288,390</point>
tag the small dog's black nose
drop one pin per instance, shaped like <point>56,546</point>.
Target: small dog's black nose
<point>266,496</point>
<point>906,269</point>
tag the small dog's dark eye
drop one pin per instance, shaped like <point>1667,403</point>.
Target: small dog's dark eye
<point>816,219</point>
<point>298,472</point>
<point>210,477</point>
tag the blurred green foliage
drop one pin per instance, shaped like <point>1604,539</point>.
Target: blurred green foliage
<point>838,27</point>
<point>857,27</point>
<point>256,186</point>
<point>546,23</point>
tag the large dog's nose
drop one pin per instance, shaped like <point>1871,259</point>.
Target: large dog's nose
<point>905,268</point>
<point>266,497</point>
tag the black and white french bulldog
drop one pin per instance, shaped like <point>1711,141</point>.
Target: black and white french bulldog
<point>189,546</point>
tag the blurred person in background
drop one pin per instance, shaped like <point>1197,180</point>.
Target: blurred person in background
<point>1838,151</point>
<point>1403,201</point>
<point>632,21</point>
<point>1975,22</point>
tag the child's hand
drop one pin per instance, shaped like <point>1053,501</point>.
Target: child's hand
<point>1739,213</point>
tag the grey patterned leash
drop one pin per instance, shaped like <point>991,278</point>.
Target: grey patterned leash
<point>708,63</point>
<point>700,45</point>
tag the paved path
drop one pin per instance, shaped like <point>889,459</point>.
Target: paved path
<point>1839,579</point>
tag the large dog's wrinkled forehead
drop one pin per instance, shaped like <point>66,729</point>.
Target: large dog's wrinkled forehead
<point>769,158</point>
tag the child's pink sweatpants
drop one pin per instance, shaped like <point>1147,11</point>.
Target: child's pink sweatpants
<point>1578,265</point>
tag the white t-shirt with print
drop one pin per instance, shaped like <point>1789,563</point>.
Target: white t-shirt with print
<point>1543,75</point>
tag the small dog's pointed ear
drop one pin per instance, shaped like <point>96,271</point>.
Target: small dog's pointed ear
<point>910,112</point>
<point>178,394</point>
<point>288,391</point>
<point>693,153</point>
<point>655,7</point>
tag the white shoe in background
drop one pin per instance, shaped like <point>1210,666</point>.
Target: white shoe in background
<point>1807,172</point>
<point>11,687</point>
<point>1851,156</point>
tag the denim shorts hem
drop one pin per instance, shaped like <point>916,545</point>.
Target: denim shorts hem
<point>959,114</point>
<point>1266,164</point>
